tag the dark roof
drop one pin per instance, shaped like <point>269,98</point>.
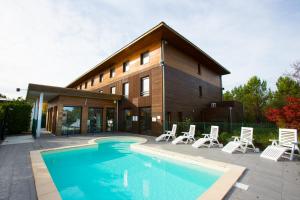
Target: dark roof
<point>159,32</point>
<point>51,92</point>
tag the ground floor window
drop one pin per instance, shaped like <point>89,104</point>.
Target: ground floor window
<point>145,119</point>
<point>110,119</point>
<point>95,120</point>
<point>71,120</point>
<point>127,119</point>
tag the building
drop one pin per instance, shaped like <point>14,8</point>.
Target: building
<point>159,77</point>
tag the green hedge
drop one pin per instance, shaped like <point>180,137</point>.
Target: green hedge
<point>18,116</point>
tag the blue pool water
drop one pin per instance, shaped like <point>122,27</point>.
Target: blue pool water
<point>110,170</point>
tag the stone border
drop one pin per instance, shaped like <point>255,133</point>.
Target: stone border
<point>47,190</point>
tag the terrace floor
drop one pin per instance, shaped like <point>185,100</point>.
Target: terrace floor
<point>266,179</point>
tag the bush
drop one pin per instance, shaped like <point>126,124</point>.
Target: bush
<point>18,116</point>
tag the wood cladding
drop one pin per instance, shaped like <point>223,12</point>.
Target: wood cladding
<point>181,61</point>
<point>134,67</point>
<point>182,94</point>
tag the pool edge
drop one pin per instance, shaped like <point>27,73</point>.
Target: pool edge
<point>46,189</point>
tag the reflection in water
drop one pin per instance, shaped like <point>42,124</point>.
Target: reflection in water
<point>125,177</point>
<point>146,190</point>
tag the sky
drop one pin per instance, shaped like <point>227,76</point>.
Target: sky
<point>53,42</point>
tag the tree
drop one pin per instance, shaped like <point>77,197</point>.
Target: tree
<point>296,73</point>
<point>286,87</point>
<point>254,95</point>
<point>287,116</point>
<point>2,96</point>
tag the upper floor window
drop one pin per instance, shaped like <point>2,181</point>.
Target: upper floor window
<point>199,69</point>
<point>100,78</point>
<point>112,73</point>
<point>126,66</point>
<point>126,89</point>
<point>92,81</point>
<point>85,85</point>
<point>113,90</point>
<point>145,86</point>
<point>145,58</point>
<point>200,91</point>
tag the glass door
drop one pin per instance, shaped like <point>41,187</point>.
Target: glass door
<point>110,119</point>
<point>95,120</point>
<point>127,120</point>
<point>145,119</point>
<point>71,120</point>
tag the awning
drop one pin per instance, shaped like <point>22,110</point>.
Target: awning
<point>50,92</point>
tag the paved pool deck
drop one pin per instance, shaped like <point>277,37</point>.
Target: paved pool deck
<point>266,179</point>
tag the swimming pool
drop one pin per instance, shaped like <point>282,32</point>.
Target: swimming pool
<point>110,170</point>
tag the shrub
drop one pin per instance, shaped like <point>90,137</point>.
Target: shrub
<point>18,116</point>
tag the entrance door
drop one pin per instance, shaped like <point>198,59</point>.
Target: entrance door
<point>110,119</point>
<point>95,120</point>
<point>127,120</point>
<point>145,120</point>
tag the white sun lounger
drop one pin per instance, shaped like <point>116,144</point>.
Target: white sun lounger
<point>286,143</point>
<point>169,134</point>
<point>209,139</point>
<point>241,144</point>
<point>186,137</point>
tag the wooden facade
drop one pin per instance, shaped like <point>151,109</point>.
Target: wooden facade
<point>183,80</point>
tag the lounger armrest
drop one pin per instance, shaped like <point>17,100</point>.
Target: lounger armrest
<point>236,138</point>
<point>206,135</point>
<point>185,133</point>
<point>274,142</point>
<point>168,132</point>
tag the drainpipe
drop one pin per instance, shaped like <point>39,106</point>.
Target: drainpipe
<point>162,63</point>
<point>117,115</point>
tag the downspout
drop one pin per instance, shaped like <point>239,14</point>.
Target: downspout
<point>162,62</point>
<point>117,115</point>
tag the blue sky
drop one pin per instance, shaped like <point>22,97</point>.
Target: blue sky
<point>53,42</point>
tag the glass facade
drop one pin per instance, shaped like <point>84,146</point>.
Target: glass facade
<point>110,119</point>
<point>71,120</point>
<point>127,120</point>
<point>145,119</point>
<point>95,120</point>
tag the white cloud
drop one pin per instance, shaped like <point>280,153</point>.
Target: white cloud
<point>53,42</point>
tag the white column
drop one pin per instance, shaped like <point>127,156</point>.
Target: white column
<point>39,120</point>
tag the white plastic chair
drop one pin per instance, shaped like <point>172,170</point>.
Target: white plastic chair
<point>187,136</point>
<point>168,134</point>
<point>211,139</point>
<point>287,144</point>
<point>241,143</point>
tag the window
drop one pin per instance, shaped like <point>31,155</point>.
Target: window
<point>80,86</point>
<point>71,120</point>
<point>145,58</point>
<point>126,66</point>
<point>112,73</point>
<point>101,91</point>
<point>85,85</point>
<point>200,91</point>
<point>199,69</point>
<point>100,78</point>
<point>92,81</point>
<point>145,86</point>
<point>113,90</point>
<point>126,89</point>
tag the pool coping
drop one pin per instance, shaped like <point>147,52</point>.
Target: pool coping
<point>46,189</point>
